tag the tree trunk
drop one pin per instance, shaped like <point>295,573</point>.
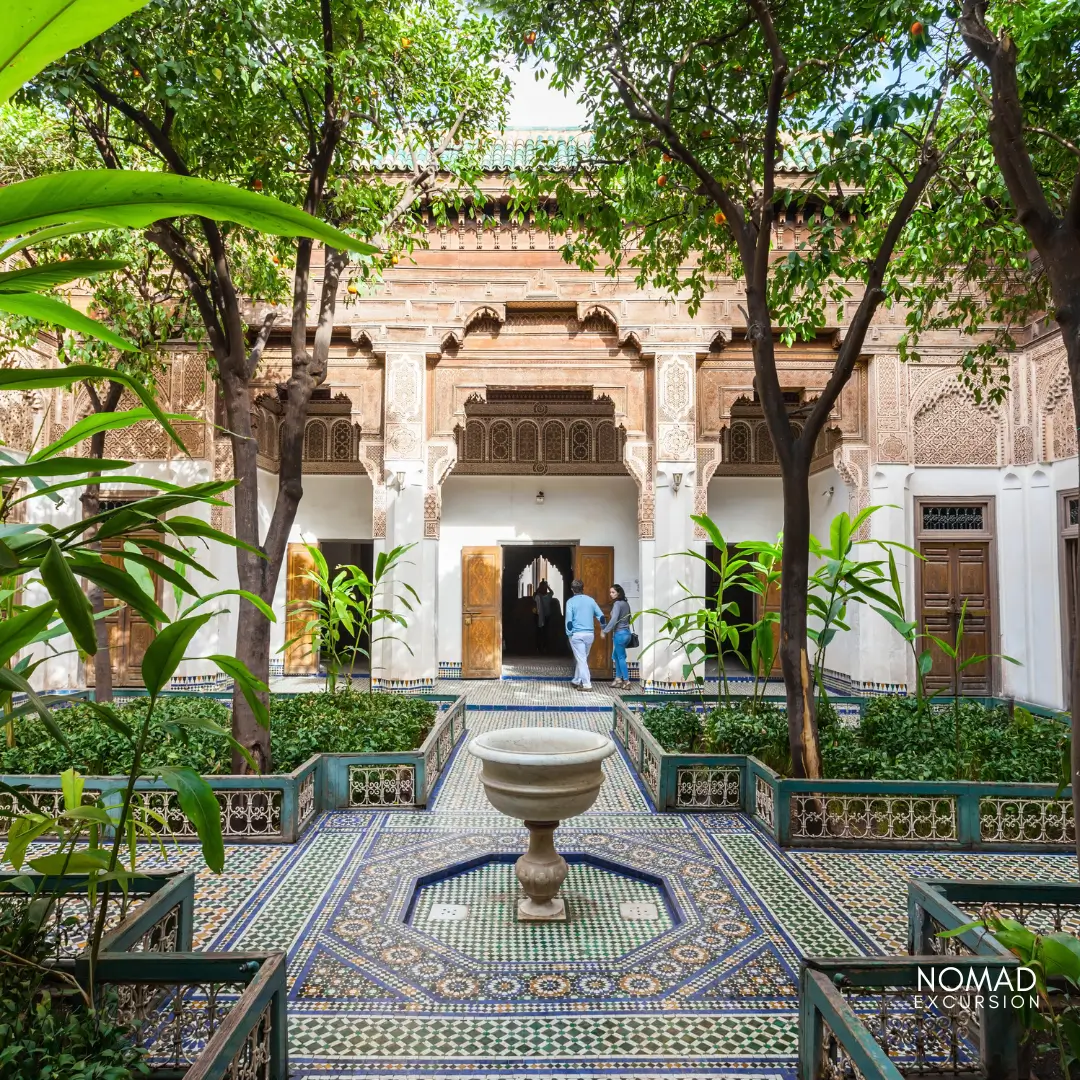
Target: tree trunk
<point>794,656</point>
<point>252,627</point>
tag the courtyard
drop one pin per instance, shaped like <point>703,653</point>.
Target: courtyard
<point>680,956</point>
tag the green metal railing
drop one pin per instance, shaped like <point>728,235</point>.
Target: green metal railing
<point>948,814</point>
<point>882,1018</point>
<point>278,807</point>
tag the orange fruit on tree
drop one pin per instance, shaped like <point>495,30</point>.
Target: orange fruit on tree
<point>352,290</point>
<point>406,43</point>
<point>661,180</point>
<point>666,157</point>
<point>706,133</point>
<point>530,37</point>
<point>257,184</point>
<point>719,217</point>
<point>916,29</point>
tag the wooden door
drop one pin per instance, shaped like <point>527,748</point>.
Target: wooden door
<point>595,568</point>
<point>129,634</point>
<point>300,657</point>
<point>953,572</point>
<point>481,612</point>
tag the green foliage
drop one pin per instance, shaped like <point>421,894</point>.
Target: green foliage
<point>186,731</point>
<point>46,1032</point>
<point>305,724</point>
<point>899,738</point>
<point>1050,1023</point>
<point>344,615</point>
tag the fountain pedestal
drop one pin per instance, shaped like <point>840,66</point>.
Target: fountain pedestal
<point>541,871</point>
<point>541,776</point>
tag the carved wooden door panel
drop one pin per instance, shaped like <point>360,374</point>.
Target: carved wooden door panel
<point>300,657</point>
<point>595,567</point>
<point>481,612</point>
<point>954,572</point>
<point>129,634</point>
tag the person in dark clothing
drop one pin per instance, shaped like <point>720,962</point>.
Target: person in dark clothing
<point>618,626</point>
<point>542,604</point>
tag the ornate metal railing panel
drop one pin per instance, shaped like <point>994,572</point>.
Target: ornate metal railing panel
<point>439,745</point>
<point>874,1019</point>
<point>936,904</point>
<point>1004,819</point>
<point>764,801</point>
<point>305,799</point>
<point>706,787</point>
<point>210,1015</point>
<point>382,785</point>
<point>156,915</point>
<point>824,815</point>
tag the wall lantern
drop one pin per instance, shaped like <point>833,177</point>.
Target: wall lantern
<point>398,482</point>
<point>540,498</point>
<point>676,482</point>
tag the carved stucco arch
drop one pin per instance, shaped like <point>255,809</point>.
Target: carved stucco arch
<point>954,442</point>
<point>1057,423</point>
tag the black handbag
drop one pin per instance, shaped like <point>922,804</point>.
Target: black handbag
<point>634,642</point>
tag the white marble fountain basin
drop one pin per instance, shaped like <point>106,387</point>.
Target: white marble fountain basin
<point>542,774</point>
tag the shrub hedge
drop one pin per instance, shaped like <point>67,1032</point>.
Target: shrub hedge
<point>300,725</point>
<point>898,738</point>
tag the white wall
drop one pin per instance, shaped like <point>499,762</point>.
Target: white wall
<point>479,510</point>
<point>333,508</point>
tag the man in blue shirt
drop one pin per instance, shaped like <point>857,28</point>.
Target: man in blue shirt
<point>581,610</point>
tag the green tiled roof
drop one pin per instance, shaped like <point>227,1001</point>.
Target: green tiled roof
<point>517,149</point>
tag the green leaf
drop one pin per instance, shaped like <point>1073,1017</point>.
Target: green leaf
<point>134,566</point>
<point>250,686</point>
<point>60,467</point>
<point>33,35</point>
<point>48,309</point>
<point>71,785</point>
<point>20,630</point>
<point>164,653</point>
<point>250,597</point>
<point>137,199</point>
<point>1060,954</point>
<point>85,861</point>
<point>121,585</point>
<point>22,832</point>
<point>183,525</point>
<point>71,601</point>
<point>199,805</point>
<point>47,276</point>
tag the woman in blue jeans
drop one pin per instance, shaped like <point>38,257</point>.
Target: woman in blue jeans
<point>618,625</point>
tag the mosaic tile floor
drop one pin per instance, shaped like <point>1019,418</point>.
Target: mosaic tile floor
<point>681,955</point>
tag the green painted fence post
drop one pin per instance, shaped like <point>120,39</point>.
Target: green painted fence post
<point>968,827</point>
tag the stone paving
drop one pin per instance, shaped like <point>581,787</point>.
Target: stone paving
<point>680,956</point>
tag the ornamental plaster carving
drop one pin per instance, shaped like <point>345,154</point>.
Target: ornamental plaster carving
<point>486,316</point>
<point>402,441</point>
<point>18,419</point>
<point>675,378</point>
<point>853,465</point>
<point>596,313</point>
<point>708,457</point>
<point>638,457</point>
<point>404,391</point>
<point>950,428</point>
<point>372,459</point>
<point>221,517</point>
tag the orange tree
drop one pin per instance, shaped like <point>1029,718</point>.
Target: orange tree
<point>712,121</point>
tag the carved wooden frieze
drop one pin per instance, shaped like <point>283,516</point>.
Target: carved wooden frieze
<point>554,431</point>
<point>331,437</point>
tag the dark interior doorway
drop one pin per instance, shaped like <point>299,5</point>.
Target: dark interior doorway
<point>523,569</point>
<point>745,615</point>
<point>361,553</point>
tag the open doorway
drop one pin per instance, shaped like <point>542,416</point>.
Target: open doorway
<point>534,631</point>
<point>746,604</point>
